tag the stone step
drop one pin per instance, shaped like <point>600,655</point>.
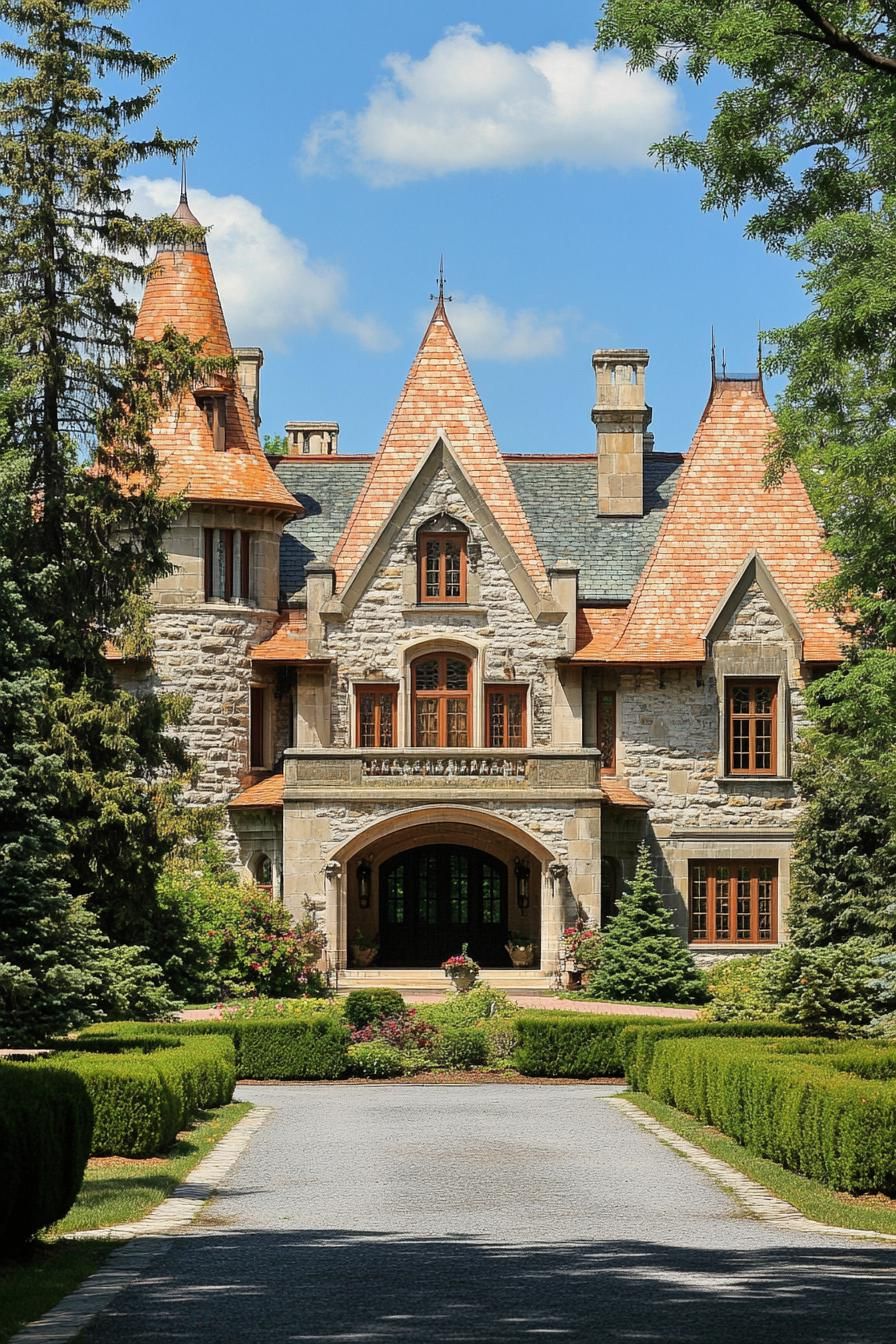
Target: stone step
<point>428,981</point>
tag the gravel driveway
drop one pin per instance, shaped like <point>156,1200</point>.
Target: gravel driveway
<point>493,1212</point>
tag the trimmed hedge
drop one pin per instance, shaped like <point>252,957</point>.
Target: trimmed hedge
<point>803,1104</point>
<point>145,1087</point>
<point>316,1048</point>
<point>639,1042</point>
<point>570,1045</point>
<point>460,1047</point>
<point>364,1006</point>
<point>375,1059</point>
<point>46,1118</point>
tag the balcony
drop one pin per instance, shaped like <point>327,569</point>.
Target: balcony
<point>418,775</point>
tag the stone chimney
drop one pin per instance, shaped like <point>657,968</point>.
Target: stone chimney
<point>621,416</point>
<point>315,438</point>
<point>249,361</point>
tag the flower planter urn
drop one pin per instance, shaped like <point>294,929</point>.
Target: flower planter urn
<point>520,954</point>
<point>462,980</point>
<point>363,956</point>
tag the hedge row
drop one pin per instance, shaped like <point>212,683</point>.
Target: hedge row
<point>146,1086</point>
<point>45,1125</point>
<point>825,1110</point>
<point>571,1045</point>
<point>639,1042</point>
<point>310,1048</point>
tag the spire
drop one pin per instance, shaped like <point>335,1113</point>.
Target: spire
<point>440,297</point>
<point>439,398</point>
<point>181,291</point>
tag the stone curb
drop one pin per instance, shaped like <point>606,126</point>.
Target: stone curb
<point>760,1201</point>
<point>146,1240</point>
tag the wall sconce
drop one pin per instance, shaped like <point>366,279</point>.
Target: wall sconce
<point>364,884</point>
<point>521,869</point>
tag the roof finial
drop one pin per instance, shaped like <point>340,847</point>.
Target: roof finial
<point>441,296</point>
<point>712,353</point>
<point>759,355</point>
<point>724,365</point>
<point>183,179</point>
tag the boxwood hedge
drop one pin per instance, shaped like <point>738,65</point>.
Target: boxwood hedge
<point>46,1119</point>
<point>825,1110</point>
<point>570,1045</point>
<point>639,1041</point>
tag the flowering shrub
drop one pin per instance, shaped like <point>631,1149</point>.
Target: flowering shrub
<point>405,1032</point>
<point>578,939</point>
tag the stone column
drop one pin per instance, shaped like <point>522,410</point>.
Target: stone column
<point>553,901</point>
<point>334,914</point>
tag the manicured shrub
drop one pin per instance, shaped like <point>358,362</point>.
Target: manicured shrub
<point>570,1045</point>
<point>145,1087</point>
<point>46,1120</point>
<point>805,1105</point>
<point>735,993</point>
<point>642,958</point>
<point>460,1048</point>
<point>316,1048</point>
<point>470,1009</point>
<point>364,1006</point>
<point>244,1010</point>
<point>639,1040</point>
<point>374,1059</point>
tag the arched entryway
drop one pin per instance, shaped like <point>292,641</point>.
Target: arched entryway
<point>438,897</point>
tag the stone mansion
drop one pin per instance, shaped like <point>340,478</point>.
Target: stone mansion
<point>444,690</point>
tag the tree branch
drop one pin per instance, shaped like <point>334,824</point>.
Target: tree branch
<point>832,37</point>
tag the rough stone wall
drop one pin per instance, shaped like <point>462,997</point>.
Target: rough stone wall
<point>370,645</point>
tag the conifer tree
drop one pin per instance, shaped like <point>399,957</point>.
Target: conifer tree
<point>642,958</point>
<point>83,529</point>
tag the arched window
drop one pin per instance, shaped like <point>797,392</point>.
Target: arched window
<point>441,700</point>
<point>442,560</point>
<point>263,872</point>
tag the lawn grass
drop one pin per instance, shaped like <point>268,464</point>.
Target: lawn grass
<point>41,1275</point>
<point>121,1189</point>
<point>870,1213</point>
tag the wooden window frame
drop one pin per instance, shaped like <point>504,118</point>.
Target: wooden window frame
<point>213,405</point>
<point>441,539</point>
<point>734,867</point>
<point>258,728</point>
<point>245,565</point>
<point>235,586</point>
<point>751,718</point>
<point>208,537</point>
<point>383,691</point>
<point>519,692</point>
<point>605,721</point>
<point>442,695</point>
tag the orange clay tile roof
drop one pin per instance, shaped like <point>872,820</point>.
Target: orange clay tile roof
<point>597,629</point>
<point>719,514</point>
<point>181,292</point>
<point>439,394</point>
<point>266,792</point>
<point>620,795</point>
<point>287,644</point>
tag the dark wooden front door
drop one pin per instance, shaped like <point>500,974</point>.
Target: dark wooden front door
<point>433,900</point>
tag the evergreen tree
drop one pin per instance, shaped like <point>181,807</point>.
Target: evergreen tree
<point>642,958</point>
<point>90,777</point>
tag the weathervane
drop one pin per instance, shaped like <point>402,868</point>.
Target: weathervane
<point>441,296</point>
<point>183,179</point>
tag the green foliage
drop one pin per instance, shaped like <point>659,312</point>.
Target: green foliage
<point>45,1126</point>
<point>276,445</point>
<point>460,1048</point>
<point>146,1088</point>
<point>375,1059</point>
<point>570,1045</point>
<point>734,991</point>
<point>642,958</point>
<point>825,1110</point>
<point>217,936</point>
<point>638,1042</point>
<point>841,990</point>
<point>286,1010</point>
<point>363,1007</point>
<point>470,1009</point>
<point>316,1048</point>
<point>501,1040</point>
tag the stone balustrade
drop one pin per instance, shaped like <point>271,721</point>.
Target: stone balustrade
<point>334,772</point>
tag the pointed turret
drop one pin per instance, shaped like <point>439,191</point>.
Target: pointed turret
<point>720,516</point>
<point>207,443</point>
<point>439,397</point>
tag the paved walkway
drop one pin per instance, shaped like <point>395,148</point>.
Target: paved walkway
<point>522,1001</point>
<point>485,1213</point>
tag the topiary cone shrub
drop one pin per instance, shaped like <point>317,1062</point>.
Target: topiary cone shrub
<point>642,958</point>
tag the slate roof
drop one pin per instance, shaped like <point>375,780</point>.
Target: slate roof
<point>557,494</point>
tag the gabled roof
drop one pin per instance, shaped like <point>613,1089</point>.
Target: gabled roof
<point>719,516</point>
<point>181,292</point>
<point>439,399</point>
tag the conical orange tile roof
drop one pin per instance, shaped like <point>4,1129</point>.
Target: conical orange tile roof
<point>721,513</point>
<point>438,396</point>
<point>181,292</point>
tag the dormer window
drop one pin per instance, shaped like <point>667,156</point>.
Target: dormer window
<point>213,404</point>
<point>442,561</point>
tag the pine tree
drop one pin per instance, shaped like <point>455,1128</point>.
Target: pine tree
<point>642,958</point>
<point>89,777</point>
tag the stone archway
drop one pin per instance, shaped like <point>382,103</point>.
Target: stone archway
<point>533,882</point>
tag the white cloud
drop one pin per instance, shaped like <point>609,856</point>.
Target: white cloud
<point>269,283</point>
<point>469,104</point>
<point>488,331</point>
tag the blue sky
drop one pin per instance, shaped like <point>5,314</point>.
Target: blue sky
<point>334,182</point>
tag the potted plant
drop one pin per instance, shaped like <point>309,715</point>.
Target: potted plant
<point>576,938</point>
<point>461,970</point>
<point>364,949</point>
<point>520,949</point>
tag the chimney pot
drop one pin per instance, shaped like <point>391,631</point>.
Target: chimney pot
<point>621,416</point>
